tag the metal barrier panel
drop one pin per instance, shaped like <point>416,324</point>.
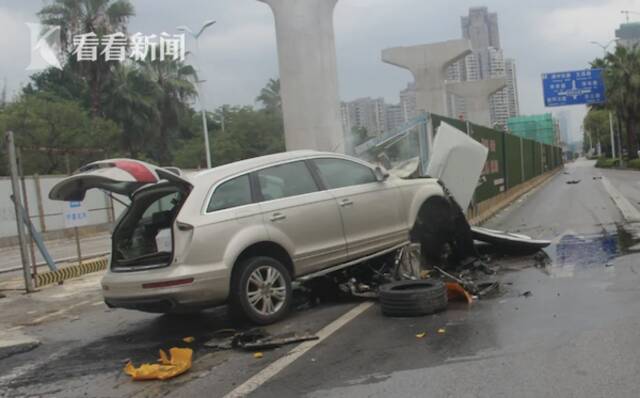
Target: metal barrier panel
<point>548,157</point>
<point>537,159</point>
<point>528,148</point>
<point>512,156</point>
<point>493,175</point>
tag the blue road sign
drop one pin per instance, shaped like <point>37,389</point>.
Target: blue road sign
<point>573,88</point>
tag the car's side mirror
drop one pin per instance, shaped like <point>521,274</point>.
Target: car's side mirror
<point>380,173</point>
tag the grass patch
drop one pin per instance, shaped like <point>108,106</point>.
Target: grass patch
<point>634,164</point>
<point>607,163</point>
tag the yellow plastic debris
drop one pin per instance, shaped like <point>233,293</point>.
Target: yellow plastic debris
<point>177,364</point>
<point>257,355</point>
<point>441,330</point>
<point>189,339</point>
<point>421,335</point>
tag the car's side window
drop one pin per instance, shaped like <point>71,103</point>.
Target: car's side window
<point>338,173</point>
<point>233,193</point>
<point>285,180</point>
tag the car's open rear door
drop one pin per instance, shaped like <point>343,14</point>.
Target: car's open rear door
<point>120,176</point>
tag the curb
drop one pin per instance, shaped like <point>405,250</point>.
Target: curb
<point>491,207</point>
<point>73,271</point>
<point>11,344</point>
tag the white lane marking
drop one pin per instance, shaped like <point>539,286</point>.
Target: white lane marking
<point>629,212</point>
<point>59,312</point>
<point>276,367</point>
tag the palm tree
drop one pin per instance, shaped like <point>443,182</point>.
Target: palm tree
<point>175,87</point>
<point>101,17</point>
<point>131,102</point>
<point>270,96</point>
<point>622,80</point>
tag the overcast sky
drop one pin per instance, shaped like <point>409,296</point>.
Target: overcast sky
<point>239,52</point>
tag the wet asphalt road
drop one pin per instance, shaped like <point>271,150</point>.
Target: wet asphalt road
<point>576,334</point>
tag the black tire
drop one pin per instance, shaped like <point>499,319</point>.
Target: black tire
<point>413,298</point>
<point>239,303</point>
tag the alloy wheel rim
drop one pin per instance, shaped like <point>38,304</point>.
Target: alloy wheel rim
<point>266,290</point>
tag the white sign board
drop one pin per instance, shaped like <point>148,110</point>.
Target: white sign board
<point>75,215</point>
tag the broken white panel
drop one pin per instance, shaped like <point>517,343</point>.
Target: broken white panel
<point>457,160</point>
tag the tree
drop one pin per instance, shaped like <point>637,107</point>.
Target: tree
<point>622,82</point>
<point>75,17</point>
<point>270,96</point>
<point>596,126</point>
<point>175,87</point>
<point>131,101</point>
<point>3,94</point>
<point>47,128</point>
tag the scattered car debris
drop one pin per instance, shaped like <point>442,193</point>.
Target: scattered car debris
<point>572,182</point>
<point>255,339</point>
<point>527,294</point>
<point>177,363</point>
<point>508,242</point>
<point>597,178</point>
<point>413,298</point>
<point>455,291</point>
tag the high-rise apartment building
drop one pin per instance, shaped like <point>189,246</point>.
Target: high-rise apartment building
<point>367,113</point>
<point>408,102</point>
<point>485,62</point>
<point>628,34</point>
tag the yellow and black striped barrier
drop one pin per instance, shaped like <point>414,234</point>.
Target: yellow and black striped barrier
<point>73,271</point>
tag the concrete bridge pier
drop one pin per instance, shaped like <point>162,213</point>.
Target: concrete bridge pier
<point>476,95</point>
<point>428,63</point>
<point>308,74</point>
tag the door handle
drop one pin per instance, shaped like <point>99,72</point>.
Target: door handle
<point>277,217</point>
<point>346,202</point>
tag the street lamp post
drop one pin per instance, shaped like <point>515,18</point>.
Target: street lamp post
<point>199,84</point>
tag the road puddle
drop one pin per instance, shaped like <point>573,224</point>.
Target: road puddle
<point>581,252</point>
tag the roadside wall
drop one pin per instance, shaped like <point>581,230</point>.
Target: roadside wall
<point>514,166</point>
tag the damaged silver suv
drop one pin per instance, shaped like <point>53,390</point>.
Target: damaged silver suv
<point>240,233</point>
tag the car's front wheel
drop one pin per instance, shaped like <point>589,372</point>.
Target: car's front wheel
<point>261,290</point>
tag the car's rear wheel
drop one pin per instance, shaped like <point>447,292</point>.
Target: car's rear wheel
<point>261,290</point>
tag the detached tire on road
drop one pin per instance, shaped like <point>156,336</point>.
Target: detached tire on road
<point>413,298</point>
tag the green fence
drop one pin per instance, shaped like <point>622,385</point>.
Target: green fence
<point>512,160</point>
